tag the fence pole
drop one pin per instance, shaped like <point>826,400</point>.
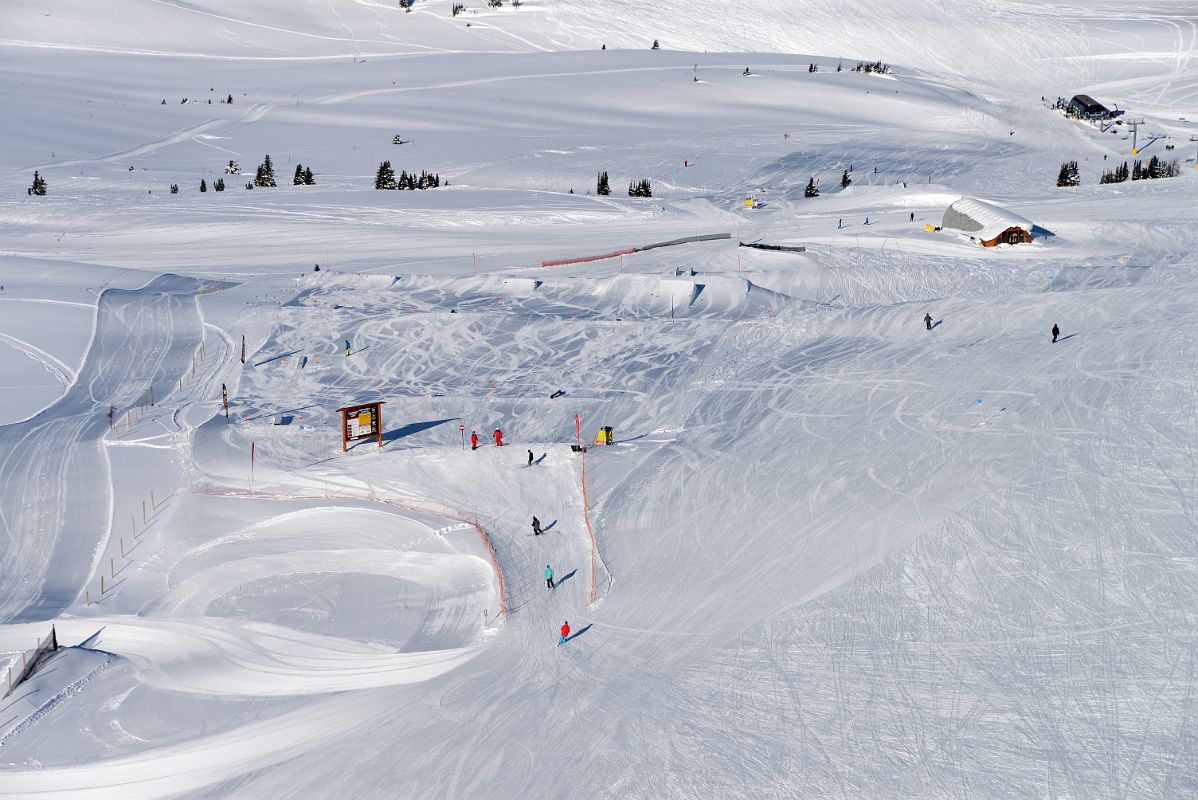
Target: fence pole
<point>143,512</point>
<point>101,586</point>
<point>122,547</point>
<point>153,502</point>
<point>112,567</point>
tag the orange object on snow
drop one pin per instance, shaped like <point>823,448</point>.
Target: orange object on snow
<point>498,438</point>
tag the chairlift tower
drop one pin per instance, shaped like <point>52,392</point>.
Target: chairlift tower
<point>1134,124</point>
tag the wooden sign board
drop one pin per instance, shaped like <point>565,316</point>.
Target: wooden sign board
<point>361,422</point>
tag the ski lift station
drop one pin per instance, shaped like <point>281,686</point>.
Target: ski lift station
<point>986,223</point>
<point>1088,108</point>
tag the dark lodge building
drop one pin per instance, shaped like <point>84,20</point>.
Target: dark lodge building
<point>1085,106</point>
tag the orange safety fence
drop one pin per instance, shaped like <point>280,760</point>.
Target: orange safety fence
<point>407,503</point>
<point>584,259</point>
<point>586,515</point>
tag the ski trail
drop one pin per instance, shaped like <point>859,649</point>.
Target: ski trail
<point>53,469</point>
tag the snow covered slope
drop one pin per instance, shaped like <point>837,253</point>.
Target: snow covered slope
<point>831,553</point>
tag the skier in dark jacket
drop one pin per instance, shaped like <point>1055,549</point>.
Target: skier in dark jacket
<point>927,320</point>
<point>530,458</point>
<point>536,527</point>
<point>1055,331</point>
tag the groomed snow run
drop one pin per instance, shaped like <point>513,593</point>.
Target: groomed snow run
<point>830,554</point>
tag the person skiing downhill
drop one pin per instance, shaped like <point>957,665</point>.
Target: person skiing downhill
<point>1055,331</point>
<point>927,320</point>
<point>498,438</point>
<point>530,458</point>
<point>536,527</point>
<point>565,632</point>
<point>549,576</point>
<point>473,440</point>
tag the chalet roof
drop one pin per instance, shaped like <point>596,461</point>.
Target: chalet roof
<point>988,220</point>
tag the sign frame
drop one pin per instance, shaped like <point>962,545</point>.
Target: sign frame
<point>351,423</point>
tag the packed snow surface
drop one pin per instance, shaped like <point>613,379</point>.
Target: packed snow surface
<point>831,553</point>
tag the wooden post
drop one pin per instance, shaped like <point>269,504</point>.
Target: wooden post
<point>112,567</point>
<point>122,546</point>
<point>153,502</point>
<point>143,512</point>
<point>88,595</point>
<point>133,524</point>
<point>101,586</point>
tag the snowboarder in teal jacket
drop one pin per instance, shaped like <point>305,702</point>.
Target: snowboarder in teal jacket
<point>549,575</point>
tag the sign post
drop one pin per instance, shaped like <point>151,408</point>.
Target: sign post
<point>363,421</point>
<point>462,430</point>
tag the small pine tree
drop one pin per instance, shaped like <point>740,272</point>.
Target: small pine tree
<point>812,189</point>
<point>640,188</point>
<point>265,176</point>
<point>1068,175</point>
<point>1137,171</point>
<point>602,186</point>
<point>845,180</point>
<point>203,185</point>
<point>230,100</point>
<point>232,168</point>
<point>385,178</point>
<point>219,184</point>
<point>174,188</point>
<point>309,180</point>
<point>839,66</point>
<point>656,45</point>
<point>249,185</point>
<point>38,188</point>
<point>298,180</point>
<point>458,8</point>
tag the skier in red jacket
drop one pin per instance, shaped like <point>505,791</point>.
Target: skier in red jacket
<point>565,632</point>
<point>498,438</point>
<point>473,440</point>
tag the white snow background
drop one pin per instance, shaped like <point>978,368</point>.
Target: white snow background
<point>835,555</point>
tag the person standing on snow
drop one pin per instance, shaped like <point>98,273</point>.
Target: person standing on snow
<point>498,438</point>
<point>536,527</point>
<point>565,632</point>
<point>927,320</point>
<point>1055,331</point>
<point>530,458</point>
<point>549,576</point>
<point>473,440</point>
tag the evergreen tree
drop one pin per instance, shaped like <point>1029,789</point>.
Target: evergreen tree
<point>1155,168</point>
<point>640,188</point>
<point>174,188</point>
<point>385,179</point>
<point>230,100</point>
<point>1137,171</point>
<point>812,190</point>
<point>249,185</point>
<point>39,185</point>
<point>203,185</point>
<point>309,180</point>
<point>656,45</point>
<point>602,186</point>
<point>219,185</point>
<point>265,176</point>
<point>298,180</point>
<point>1068,175</point>
<point>845,180</point>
